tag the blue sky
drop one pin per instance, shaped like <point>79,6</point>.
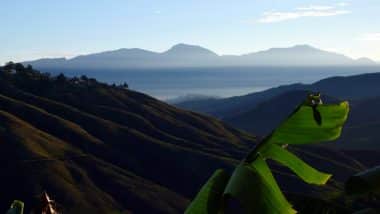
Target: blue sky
<point>46,28</point>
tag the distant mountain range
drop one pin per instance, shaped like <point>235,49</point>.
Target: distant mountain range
<point>360,132</point>
<point>184,55</point>
<point>261,112</point>
<point>354,87</point>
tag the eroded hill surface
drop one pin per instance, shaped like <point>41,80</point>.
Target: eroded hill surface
<point>104,148</point>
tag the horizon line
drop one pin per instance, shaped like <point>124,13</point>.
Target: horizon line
<point>68,57</point>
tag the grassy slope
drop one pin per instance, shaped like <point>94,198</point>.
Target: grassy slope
<point>99,148</point>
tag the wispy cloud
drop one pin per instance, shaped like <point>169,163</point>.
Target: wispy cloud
<point>305,11</point>
<point>343,4</point>
<point>315,7</point>
<point>370,37</point>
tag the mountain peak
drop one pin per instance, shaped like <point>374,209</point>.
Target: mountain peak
<point>304,47</point>
<point>185,46</point>
<point>122,51</point>
<point>130,50</point>
<point>365,61</point>
<point>186,49</point>
<point>291,49</point>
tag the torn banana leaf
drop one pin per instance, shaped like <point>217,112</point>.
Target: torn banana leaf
<point>252,182</point>
<point>302,128</point>
<point>298,166</point>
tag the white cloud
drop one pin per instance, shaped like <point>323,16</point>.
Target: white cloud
<point>343,4</point>
<point>370,37</point>
<point>300,12</point>
<point>315,7</point>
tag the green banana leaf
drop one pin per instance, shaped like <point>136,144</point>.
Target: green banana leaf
<point>256,189</point>
<point>209,198</point>
<point>364,182</point>
<point>298,166</point>
<point>252,182</point>
<point>17,207</point>
<point>302,128</point>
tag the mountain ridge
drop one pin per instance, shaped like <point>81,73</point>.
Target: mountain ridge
<point>185,55</point>
<point>261,112</point>
<point>352,87</point>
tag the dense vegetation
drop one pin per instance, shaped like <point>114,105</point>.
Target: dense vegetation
<point>101,148</point>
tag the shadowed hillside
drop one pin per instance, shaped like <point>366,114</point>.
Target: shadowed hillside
<point>270,113</point>
<point>349,88</point>
<point>98,148</point>
<point>104,148</point>
<point>360,132</point>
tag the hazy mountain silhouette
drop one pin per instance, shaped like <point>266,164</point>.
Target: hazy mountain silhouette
<point>184,50</point>
<point>300,55</point>
<point>189,98</point>
<point>183,55</point>
<point>360,132</point>
<point>261,112</point>
<point>365,61</point>
<point>350,88</point>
